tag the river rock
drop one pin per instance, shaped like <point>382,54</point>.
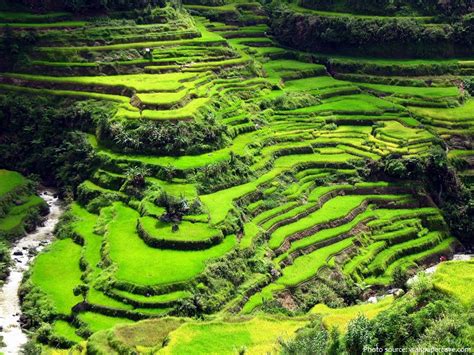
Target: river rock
<point>17,252</point>
<point>372,299</point>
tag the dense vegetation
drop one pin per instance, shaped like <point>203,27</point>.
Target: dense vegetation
<point>231,188</point>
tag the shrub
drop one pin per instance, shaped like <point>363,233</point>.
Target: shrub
<point>290,101</point>
<point>422,283</point>
<point>312,339</point>
<point>360,333</point>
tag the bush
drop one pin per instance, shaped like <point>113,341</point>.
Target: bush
<point>290,101</point>
<point>389,37</point>
<point>421,284</point>
<point>360,333</point>
<point>39,136</point>
<point>219,176</point>
<point>163,138</point>
<point>312,339</point>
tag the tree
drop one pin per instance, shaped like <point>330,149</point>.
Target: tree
<point>136,176</point>
<point>360,334</point>
<point>81,290</point>
<point>400,278</point>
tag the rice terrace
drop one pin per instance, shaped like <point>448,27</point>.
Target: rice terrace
<point>236,177</point>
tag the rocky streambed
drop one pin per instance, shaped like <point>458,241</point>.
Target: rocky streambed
<point>22,253</point>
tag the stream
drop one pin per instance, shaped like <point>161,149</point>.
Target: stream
<point>22,253</point>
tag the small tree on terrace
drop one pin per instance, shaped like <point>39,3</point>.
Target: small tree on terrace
<point>136,176</point>
<point>81,290</point>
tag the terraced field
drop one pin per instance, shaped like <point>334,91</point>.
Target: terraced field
<point>305,126</point>
<point>19,206</point>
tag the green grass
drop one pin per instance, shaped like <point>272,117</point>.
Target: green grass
<point>96,322</point>
<point>17,214</point>
<point>66,330</point>
<point>136,261</point>
<point>307,266</point>
<point>168,297</point>
<point>314,84</point>
<point>148,333</point>
<point>10,180</point>
<point>352,104</point>
<point>56,272</point>
<point>140,82</point>
<point>340,317</point>
<point>187,231</point>
<point>464,113</point>
<point>410,91</point>
<point>335,208</point>
<point>387,256</point>
<point>259,335</point>
<point>456,279</point>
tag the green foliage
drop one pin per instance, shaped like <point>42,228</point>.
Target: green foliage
<point>40,138</point>
<point>400,278</point>
<point>395,36</point>
<point>219,176</point>
<point>290,101</point>
<point>4,260</point>
<point>312,339</point>
<point>79,6</point>
<point>164,138</point>
<point>359,334</point>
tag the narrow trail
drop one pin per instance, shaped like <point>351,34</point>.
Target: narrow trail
<point>22,253</point>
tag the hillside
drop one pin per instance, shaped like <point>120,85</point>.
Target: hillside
<point>238,169</point>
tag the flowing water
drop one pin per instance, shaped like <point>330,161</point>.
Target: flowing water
<point>22,253</point>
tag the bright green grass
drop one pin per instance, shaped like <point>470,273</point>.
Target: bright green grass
<point>387,256</point>
<point>163,98</point>
<point>410,91</point>
<point>251,230</point>
<point>183,162</point>
<point>412,261</point>
<point>66,330</point>
<point>96,321</point>
<point>456,114</point>
<point>187,112</point>
<point>397,131</point>
<point>340,317</point>
<point>207,37</point>
<point>140,82</point>
<point>175,188</point>
<point>10,180</point>
<point>314,83</point>
<point>325,234</point>
<point>98,298</point>
<point>364,104</point>
<point>335,208</point>
<point>140,264</point>
<point>220,202</point>
<point>303,269</point>
<point>167,297</point>
<point>259,335</point>
<point>274,211</point>
<point>56,272</point>
<point>456,278</point>
<point>187,231</point>
<point>306,266</point>
<point>365,255</point>
<point>16,214</point>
